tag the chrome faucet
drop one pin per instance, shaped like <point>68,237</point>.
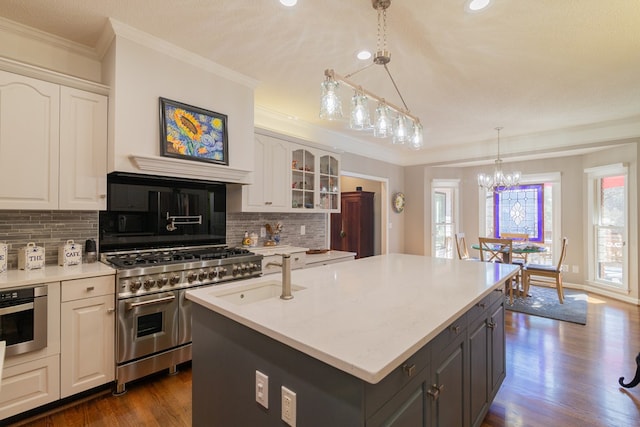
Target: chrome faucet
<point>286,275</point>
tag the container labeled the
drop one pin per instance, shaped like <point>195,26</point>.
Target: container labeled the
<point>31,257</point>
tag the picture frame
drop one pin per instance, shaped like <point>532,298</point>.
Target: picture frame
<point>193,133</point>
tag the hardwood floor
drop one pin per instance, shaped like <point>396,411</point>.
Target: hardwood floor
<point>558,374</point>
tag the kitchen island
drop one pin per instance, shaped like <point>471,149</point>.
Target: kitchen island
<point>383,340</point>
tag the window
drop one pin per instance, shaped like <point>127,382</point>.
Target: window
<point>444,217</point>
<point>527,208</point>
<point>608,226</point>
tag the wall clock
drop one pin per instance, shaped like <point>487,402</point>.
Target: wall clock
<point>398,202</point>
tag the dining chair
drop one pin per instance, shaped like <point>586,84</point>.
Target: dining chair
<point>461,248</point>
<point>520,238</point>
<point>500,250</point>
<point>547,271</point>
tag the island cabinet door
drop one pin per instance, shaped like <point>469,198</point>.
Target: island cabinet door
<point>497,347</point>
<point>408,408</point>
<point>479,368</point>
<point>448,381</point>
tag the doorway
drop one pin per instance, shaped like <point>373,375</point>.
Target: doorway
<point>350,181</point>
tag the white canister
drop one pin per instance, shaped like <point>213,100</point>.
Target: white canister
<point>31,257</point>
<point>70,254</point>
<point>3,257</point>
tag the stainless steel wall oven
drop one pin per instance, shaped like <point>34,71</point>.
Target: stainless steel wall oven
<point>23,319</point>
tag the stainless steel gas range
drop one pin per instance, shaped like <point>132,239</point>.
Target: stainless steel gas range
<point>153,330</point>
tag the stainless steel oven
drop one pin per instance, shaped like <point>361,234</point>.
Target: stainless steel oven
<point>148,324</point>
<point>23,319</point>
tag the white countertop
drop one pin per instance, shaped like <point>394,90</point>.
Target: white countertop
<point>276,250</point>
<point>329,256</point>
<point>53,273</point>
<point>366,316</point>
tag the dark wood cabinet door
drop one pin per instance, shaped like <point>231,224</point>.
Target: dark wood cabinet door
<point>352,228</point>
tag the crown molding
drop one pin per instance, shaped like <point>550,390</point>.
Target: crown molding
<point>122,30</point>
<point>47,38</point>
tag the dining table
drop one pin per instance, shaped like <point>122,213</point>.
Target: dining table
<point>517,248</point>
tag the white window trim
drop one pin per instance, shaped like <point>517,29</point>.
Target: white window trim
<point>445,183</point>
<point>593,174</point>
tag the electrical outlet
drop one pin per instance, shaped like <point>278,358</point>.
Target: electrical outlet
<point>288,406</point>
<point>263,232</point>
<point>262,389</point>
<point>564,268</point>
<point>303,230</point>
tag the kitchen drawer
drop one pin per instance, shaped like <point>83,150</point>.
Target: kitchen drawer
<point>483,305</point>
<point>376,395</point>
<point>89,287</point>
<point>451,332</point>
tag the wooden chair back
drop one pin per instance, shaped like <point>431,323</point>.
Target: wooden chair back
<point>523,237</point>
<point>563,254</point>
<point>461,246</point>
<point>493,250</point>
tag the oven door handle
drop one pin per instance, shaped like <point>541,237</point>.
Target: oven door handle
<point>16,308</point>
<point>132,305</point>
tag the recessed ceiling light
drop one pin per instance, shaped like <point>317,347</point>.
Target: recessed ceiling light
<point>363,55</point>
<point>475,5</point>
<point>289,3</point>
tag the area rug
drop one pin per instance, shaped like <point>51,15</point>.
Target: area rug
<point>543,302</point>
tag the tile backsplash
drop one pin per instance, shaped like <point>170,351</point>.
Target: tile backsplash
<point>48,229</point>
<point>51,229</point>
<point>315,224</point>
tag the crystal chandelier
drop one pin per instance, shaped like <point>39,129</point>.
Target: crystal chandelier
<point>498,181</point>
<point>389,121</point>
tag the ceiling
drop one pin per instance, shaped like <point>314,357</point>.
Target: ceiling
<point>550,72</point>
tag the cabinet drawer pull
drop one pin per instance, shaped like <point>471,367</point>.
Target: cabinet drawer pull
<point>434,391</point>
<point>455,329</point>
<point>110,310</point>
<point>410,370</point>
<point>268,203</point>
<point>481,305</point>
<point>499,290</point>
<point>90,288</point>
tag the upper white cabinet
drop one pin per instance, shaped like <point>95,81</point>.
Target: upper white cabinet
<point>83,150</point>
<point>270,176</point>
<point>29,142</point>
<point>53,145</point>
<point>289,177</point>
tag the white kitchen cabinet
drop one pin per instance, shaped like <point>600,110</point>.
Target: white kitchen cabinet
<point>271,178</point>
<point>29,142</point>
<point>53,145</point>
<point>315,180</point>
<point>83,150</point>
<point>289,177</point>
<point>88,334</point>
<point>26,386</point>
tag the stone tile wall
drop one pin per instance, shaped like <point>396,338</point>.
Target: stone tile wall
<point>53,228</point>
<point>49,229</point>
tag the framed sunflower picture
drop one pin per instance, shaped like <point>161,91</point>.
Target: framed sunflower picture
<point>192,133</point>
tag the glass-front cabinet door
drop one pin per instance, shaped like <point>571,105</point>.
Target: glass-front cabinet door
<point>329,183</point>
<point>303,179</point>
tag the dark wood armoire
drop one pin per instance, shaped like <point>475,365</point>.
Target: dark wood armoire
<point>352,228</point>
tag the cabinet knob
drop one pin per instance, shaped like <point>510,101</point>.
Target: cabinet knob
<point>434,391</point>
<point>491,325</point>
<point>103,196</point>
<point>90,288</point>
<point>455,329</point>
<point>410,370</point>
<point>110,310</point>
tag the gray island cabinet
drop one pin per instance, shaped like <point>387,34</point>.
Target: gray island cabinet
<point>394,340</point>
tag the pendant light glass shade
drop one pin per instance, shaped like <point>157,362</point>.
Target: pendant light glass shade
<point>330,103</point>
<point>416,141</point>
<point>360,118</point>
<point>382,127</point>
<point>401,130</point>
